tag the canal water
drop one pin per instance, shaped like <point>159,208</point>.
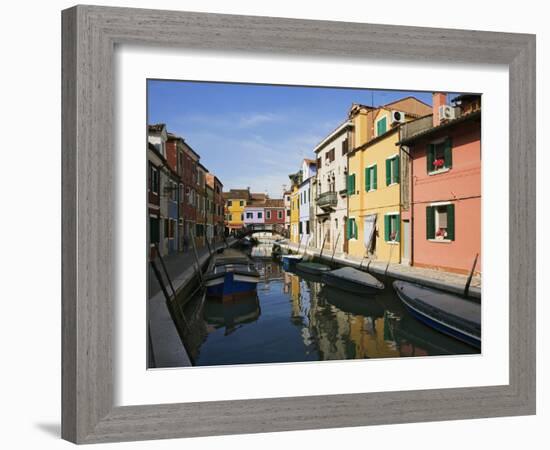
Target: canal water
<point>295,317</point>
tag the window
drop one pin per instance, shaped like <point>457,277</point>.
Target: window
<point>268,214</point>
<point>371,178</point>
<point>288,212</point>
<point>231,217</point>
<point>381,126</point>
<point>300,225</point>
<point>229,203</point>
<point>154,230</point>
<point>439,156</point>
<point>344,147</point>
<point>241,203</point>
<point>307,226</point>
<point>173,191</point>
<point>249,215</point>
<point>351,229</point>
<point>154,179</point>
<point>260,215</point>
<point>242,217</point>
<point>351,184</point>
<point>329,157</point>
<point>440,222</point>
<point>279,214</point>
<point>391,227</point>
<point>392,170</point>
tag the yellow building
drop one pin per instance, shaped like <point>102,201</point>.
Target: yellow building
<point>294,215</point>
<point>235,202</point>
<point>374,223</point>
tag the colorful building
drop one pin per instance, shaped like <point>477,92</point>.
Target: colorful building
<point>235,202</point>
<point>308,171</point>
<point>331,196</point>
<point>188,201</point>
<point>295,208</point>
<point>217,206</point>
<point>155,160</point>
<point>373,227</point>
<point>286,199</point>
<point>445,186</point>
<point>254,213</point>
<point>275,212</point>
<point>200,227</point>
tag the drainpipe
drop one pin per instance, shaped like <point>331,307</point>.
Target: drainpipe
<point>411,203</point>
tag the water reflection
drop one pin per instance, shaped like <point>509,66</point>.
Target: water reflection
<point>294,317</point>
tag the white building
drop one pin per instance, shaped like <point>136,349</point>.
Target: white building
<point>331,196</point>
<point>286,200</point>
<point>308,170</point>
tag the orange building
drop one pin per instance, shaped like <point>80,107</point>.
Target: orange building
<point>445,186</point>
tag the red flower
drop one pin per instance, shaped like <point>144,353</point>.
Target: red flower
<point>438,163</point>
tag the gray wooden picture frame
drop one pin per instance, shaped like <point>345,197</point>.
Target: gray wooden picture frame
<point>90,34</point>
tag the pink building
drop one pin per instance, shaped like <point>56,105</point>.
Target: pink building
<point>445,187</point>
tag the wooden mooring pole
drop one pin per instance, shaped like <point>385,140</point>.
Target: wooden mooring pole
<point>198,271</point>
<point>467,287</point>
<point>323,246</point>
<point>334,249</point>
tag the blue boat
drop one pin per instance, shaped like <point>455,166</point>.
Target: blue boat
<point>230,275</point>
<point>290,261</point>
<point>448,313</point>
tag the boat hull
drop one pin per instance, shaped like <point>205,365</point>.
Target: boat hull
<point>290,261</point>
<point>440,325</point>
<point>312,268</point>
<point>348,286</point>
<point>231,285</point>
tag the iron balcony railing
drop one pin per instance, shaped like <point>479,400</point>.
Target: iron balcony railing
<point>327,199</point>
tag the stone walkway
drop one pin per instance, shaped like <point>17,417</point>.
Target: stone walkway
<point>447,281</point>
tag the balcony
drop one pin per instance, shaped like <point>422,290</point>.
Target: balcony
<point>327,200</point>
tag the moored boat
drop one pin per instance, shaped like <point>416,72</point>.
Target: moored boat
<point>230,274</point>
<point>448,313</point>
<point>312,267</point>
<point>290,261</point>
<point>353,280</point>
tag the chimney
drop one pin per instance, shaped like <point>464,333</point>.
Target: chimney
<point>438,99</point>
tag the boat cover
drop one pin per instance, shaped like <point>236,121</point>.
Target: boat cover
<point>356,276</point>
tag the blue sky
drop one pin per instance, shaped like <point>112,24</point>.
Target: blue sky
<point>255,135</point>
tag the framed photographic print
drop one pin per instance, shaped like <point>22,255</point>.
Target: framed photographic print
<point>244,197</point>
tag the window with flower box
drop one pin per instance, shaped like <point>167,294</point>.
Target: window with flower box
<point>391,227</point>
<point>439,156</point>
<point>440,222</point>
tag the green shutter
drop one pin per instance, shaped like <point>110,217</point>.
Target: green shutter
<point>451,222</point>
<point>388,172</point>
<point>448,153</point>
<point>381,127</point>
<point>351,184</point>
<point>367,179</point>
<point>375,177</point>
<point>430,222</point>
<point>430,153</point>
<point>387,226</point>
<point>396,170</point>
<point>398,228</point>
<point>348,234</point>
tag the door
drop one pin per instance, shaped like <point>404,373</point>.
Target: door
<point>406,242</point>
